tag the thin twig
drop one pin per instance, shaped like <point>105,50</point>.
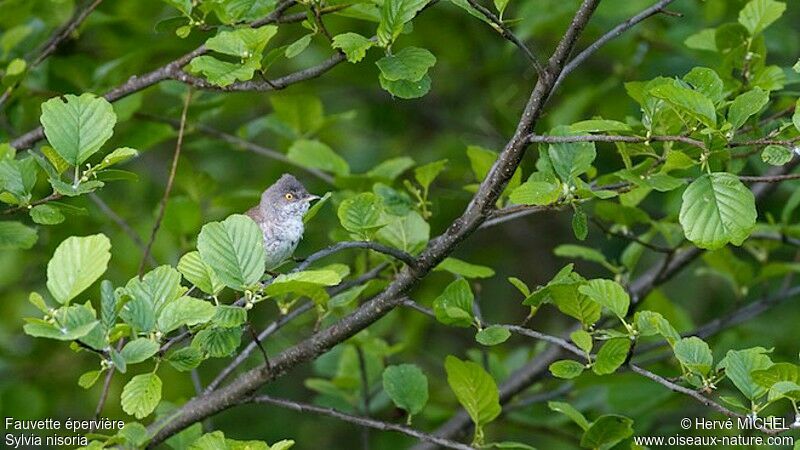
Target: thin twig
<point>631,237</point>
<point>362,368</point>
<point>339,246</point>
<point>56,39</point>
<point>168,189</point>
<point>498,25</point>
<point>122,223</point>
<point>241,143</point>
<point>360,421</point>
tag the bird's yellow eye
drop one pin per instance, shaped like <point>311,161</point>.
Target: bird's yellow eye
<point>289,196</point>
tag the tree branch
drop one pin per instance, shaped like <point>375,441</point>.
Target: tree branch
<point>477,211</point>
<point>339,246</point>
<point>360,421</point>
<point>498,25</point>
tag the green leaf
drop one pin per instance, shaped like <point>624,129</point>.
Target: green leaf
<point>492,335</point>
<point>185,359</point>
<point>739,366</point>
<point>184,311</point>
<point>18,176</point>
<point>410,64</point>
<point>242,42</point>
<point>694,354</point>
<point>650,323</point>
<point>392,168</point>
<point>394,15</point>
<point>776,373</point>
<point>569,411</point>
<point>228,316</point>
<point>223,73</point>
<point>688,101</point>
<point>77,127</point>
<point>199,273</point>
<point>566,369</point>
<point>746,105</point>
<point>609,294</point>
<point>361,213</point>
<point>464,269</point>
<point>46,215</point>
<point>501,5</point>
<point>234,250</point>
<point>476,390</point>
<point>407,386</point>
<point>759,14</point>
<point>582,339</point>
<point>15,235</point>
<point>316,155</point>
<point>796,115</point>
<point>353,45</point>
<point>108,304</point>
<point>210,441</point>
<point>88,379</point>
<point>139,350</point>
<point>406,89</point>
<point>574,304</point>
<point>298,46</point>
<point>409,233</point>
<point>703,40</point>
<point>76,264</point>
<point>427,173</point>
<point>580,224</point>
<point>119,155</point>
<point>776,155</point>
<point>71,323</point>
<point>717,208</point>
<point>570,159</point>
<point>14,72</point>
<point>606,432</point>
<point>454,305</point>
<point>141,395</point>
<point>540,190</point>
<point>707,82</point>
<point>611,355</point>
<point>218,342</point>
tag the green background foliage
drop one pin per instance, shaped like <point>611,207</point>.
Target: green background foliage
<point>400,134</point>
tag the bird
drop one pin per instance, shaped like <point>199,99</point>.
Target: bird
<point>279,214</point>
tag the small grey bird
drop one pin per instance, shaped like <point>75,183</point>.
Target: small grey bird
<point>280,216</point>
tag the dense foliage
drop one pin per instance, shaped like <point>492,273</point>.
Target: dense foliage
<point>510,251</point>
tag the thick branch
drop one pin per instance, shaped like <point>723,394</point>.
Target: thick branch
<point>477,211</point>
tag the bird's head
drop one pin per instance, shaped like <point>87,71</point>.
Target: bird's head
<point>287,197</point>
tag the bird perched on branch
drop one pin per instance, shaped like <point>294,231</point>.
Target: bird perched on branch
<point>280,217</point>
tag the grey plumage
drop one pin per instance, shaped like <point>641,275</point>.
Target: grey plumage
<point>280,216</point>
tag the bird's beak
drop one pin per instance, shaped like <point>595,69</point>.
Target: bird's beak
<point>311,197</point>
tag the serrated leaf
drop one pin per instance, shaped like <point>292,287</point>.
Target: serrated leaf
<point>139,350</point>
<point>88,379</point>
<point>353,45</point>
<point>611,355</point>
<point>566,369</point>
<point>298,46</point>
<point>185,359</point>
<point>608,294</point>
<point>77,127</point>
<point>454,305</point>
<point>46,215</point>
<point>218,342</point>
<point>759,14</point>
<point>76,264</point>
<point>570,411</point>
<point>606,432</point>
<point>776,155</point>
<point>200,274</point>
<point>406,89</point>
<point>234,250</point>
<point>361,213</point>
<point>688,101</point>
<point>223,73</point>
<point>746,105</point>
<point>694,354</point>
<point>582,339</point>
<point>407,386</point>
<point>410,64</point>
<point>242,42</point>
<point>394,15</point>
<point>15,235</point>
<point>464,269</point>
<point>425,174</point>
<point>739,366</point>
<point>141,395</point>
<point>707,82</point>
<point>476,390</point>
<point>316,155</point>
<point>717,208</point>
<point>185,310</point>
<point>492,335</point>
<point>409,233</point>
